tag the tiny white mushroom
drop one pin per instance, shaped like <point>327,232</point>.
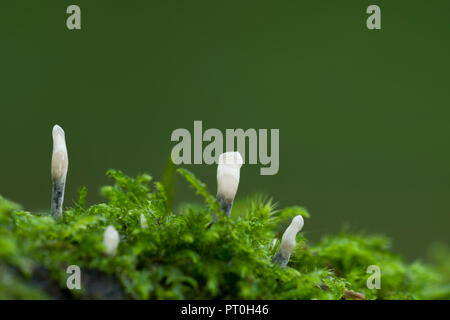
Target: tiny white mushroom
<point>111,240</point>
<point>288,241</point>
<point>228,173</point>
<point>59,167</point>
<point>143,221</point>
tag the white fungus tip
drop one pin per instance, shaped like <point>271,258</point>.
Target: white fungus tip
<point>60,160</point>
<point>143,221</point>
<point>231,159</point>
<point>57,130</point>
<point>111,240</point>
<point>228,173</point>
<point>295,226</point>
<point>288,239</point>
<point>298,223</point>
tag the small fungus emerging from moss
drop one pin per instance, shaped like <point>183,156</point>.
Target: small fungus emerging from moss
<point>228,172</point>
<point>288,241</point>
<point>59,167</point>
<point>143,221</point>
<point>111,240</point>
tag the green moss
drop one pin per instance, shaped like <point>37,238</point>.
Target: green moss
<point>177,257</point>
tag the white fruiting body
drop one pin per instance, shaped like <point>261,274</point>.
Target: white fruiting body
<point>288,241</point>
<point>59,167</point>
<point>111,240</point>
<point>228,173</point>
<point>143,221</point>
<point>60,160</point>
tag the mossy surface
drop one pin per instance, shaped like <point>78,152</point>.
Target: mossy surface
<point>175,256</point>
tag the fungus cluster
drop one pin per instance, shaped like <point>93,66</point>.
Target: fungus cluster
<point>228,175</point>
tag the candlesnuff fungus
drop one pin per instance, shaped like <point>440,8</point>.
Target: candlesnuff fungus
<point>60,164</point>
<point>143,221</point>
<point>111,240</point>
<point>228,172</point>
<point>288,242</point>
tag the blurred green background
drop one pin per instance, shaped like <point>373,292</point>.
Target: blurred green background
<point>363,115</point>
